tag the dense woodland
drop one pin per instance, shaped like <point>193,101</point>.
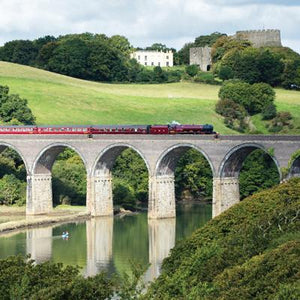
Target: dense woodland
<point>249,252</point>
<point>101,58</point>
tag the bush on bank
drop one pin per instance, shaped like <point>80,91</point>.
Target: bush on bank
<point>252,247</point>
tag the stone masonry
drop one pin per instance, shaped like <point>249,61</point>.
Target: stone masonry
<point>201,56</point>
<point>261,38</point>
<point>160,153</point>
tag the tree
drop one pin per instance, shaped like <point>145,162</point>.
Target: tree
<point>208,40</point>
<point>252,97</point>
<point>259,172</point>
<point>184,54</point>
<point>70,58</point>
<point>12,107</point>
<point>12,190</point>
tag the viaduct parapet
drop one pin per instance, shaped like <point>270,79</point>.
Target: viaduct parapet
<point>160,153</point>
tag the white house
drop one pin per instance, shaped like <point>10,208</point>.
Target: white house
<point>153,58</point>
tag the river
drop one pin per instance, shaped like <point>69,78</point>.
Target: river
<point>107,243</point>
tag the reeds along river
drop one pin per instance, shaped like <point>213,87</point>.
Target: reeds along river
<point>108,243</point>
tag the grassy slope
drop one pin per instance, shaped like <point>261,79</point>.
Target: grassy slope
<point>57,99</point>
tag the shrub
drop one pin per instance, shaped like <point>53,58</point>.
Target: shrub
<point>206,77</point>
<point>282,119</point>
<point>252,97</point>
<point>230,109</point>
<point>192,70</point>
<point>269,111</point>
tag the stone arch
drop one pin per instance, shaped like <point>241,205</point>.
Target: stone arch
<point>162,186</point>
<point>167,161</point>
<point>4,145</point>
<point>107,157</point>
<point>39,184</point>
<point>295,168</point>
<point>234,159</point>
<point>101,198</point>
<point>47,156</point>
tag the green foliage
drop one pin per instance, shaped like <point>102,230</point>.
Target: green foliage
<point>252,97</point>
<point>13,107</point>
<point>283,119</point>
<point>183,55</point>
<point>258,173</point>
<point>269,111</point>
<point>87,56</point>
<point>19,51</point>
<point>260,277</point>
<point>208,40</point>
<point>192,70</point>
<point>206,77</point>
<point>12,190</point>
<point>225,72</point>
<point>193,174</point>
<point>236,249</point>
<point>22,279</point>
<point>130,179</point>
<point>132,286</point>
<point>69,179</point>
<point>237,59</point>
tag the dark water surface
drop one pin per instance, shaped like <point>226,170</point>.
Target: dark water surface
<point>107,243</point>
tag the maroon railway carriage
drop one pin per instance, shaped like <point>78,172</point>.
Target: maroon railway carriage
<point>109,129</point>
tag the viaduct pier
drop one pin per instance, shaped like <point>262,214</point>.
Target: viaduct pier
<point>160,153</point>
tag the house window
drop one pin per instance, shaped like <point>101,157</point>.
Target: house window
<point>167,63</point>
<point>159,64</point>
<point>152,64</point>
<point>167,57</point>
<point>145,63</point>
<point>145,57</point>
<point>139,57</point>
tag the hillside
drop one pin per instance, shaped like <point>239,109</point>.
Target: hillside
<point>251,251</point>
<point>58,99</point>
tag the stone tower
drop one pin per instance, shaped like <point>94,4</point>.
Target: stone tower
<point>201,56</point>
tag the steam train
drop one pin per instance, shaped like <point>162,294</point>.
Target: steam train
<point>110,129</point>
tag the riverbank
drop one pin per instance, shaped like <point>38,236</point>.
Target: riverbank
<point>14,218</point>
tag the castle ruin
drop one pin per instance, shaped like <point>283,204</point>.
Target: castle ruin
<point>201,56</point>
<point>260,38</point>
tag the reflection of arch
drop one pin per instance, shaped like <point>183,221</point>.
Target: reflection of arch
<point>106,159</point>
<point>3,146</point>
<point>167,162</point>
<point>295,168</point>
<point>46,158</point>
<point>234,159</point>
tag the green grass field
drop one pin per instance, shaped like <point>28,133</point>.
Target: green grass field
<point>58,99</point>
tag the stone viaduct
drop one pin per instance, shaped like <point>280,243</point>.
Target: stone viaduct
<point>160,153</point>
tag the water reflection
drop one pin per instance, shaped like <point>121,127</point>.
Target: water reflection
<point>39,243</point>
<point>161,241</point>
<point>107,243</point>
<point>99,233</point>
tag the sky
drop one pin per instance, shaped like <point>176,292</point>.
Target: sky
<point>144,22</point>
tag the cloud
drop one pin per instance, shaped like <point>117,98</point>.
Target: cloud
<point>172,22</point>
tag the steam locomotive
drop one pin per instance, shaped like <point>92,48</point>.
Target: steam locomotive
<point>110,129</point>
